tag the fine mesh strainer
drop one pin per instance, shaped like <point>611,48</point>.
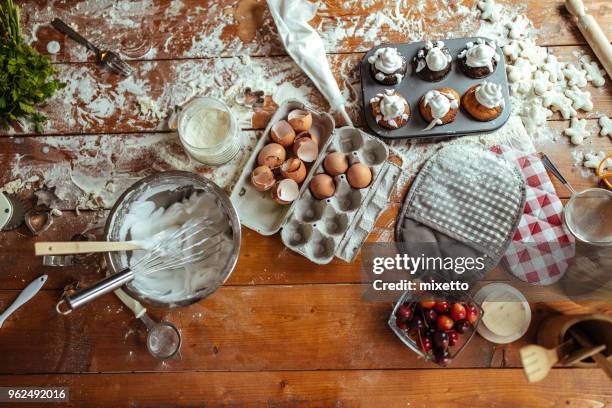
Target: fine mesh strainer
<point>588,213</point>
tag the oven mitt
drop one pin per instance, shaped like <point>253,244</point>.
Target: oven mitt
<point>466,201</point>
<point>541,248</point>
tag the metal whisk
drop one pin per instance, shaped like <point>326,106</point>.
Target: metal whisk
<point>192,243</point>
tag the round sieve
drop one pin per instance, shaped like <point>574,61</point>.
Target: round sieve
<point>588,216</point>
<point>165,189</point>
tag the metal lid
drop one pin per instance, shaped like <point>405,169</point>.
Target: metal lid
<point>6,210</point>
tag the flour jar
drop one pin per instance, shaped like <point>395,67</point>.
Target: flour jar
<point>208,131</point>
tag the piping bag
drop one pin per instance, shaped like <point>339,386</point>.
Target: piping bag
<point>306,48</point>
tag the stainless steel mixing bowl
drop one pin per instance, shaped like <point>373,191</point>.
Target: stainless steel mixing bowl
<point>165,189</point>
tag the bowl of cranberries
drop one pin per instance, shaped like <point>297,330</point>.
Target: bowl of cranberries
<point>435,330</point>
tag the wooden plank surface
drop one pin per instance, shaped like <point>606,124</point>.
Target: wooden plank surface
<point>367,388</point>
<point>283,331</point>
<point>98,101</point>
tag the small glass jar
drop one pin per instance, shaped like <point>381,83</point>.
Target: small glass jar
<point>225,149</point>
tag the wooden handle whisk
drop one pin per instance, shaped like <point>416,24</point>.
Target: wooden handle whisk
<point>81,247</point>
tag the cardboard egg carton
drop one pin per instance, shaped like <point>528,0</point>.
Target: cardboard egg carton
<point>322,229</point>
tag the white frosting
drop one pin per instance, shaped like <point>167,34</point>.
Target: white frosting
<point>391,106</point>
<point>440,103</point>
<point>386,60</point>
<point>148,225</point>
<point>480,54</point>
<point>490,95</point>
<point>436,59</point>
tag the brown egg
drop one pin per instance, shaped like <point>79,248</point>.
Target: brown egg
<point>300,120</point>
<point>306,149</point>
<point>262,178</point>
<point>285,191</point>
<point>282,133</point>
<point>272,155</point>
<point>335,164</point>
<point>294,169</point>
<point>359,175</point>
<point>322,186</point>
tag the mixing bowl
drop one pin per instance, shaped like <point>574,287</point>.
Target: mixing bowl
<point>165,189</point>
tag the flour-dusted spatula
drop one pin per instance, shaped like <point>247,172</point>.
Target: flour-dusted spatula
<point>82,247</point>
<point>28,293</point>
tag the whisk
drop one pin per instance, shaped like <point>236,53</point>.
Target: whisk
<point>192,243</point>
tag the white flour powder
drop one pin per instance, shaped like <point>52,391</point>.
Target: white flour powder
<point>207,128</point>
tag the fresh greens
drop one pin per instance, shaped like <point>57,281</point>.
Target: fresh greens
<point>25,75</point>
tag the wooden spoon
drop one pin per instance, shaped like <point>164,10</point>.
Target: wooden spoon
<point>599,358</point>
<point>538,360</point>
<point>582,354</point>
<point>81,247</point>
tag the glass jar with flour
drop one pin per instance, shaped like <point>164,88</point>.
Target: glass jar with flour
<point>208,131</point>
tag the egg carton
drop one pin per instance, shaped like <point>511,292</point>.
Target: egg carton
<point>321,229</point>
<point>337,226</point>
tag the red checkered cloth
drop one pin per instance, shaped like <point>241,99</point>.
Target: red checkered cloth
<point>541,249</point>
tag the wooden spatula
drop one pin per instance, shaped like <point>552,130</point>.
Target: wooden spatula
<point>582,354</point>
<point>537,361</point>
<point>82,247</point>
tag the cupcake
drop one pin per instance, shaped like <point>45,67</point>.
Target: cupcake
<point>479,59</point>
<point>484,102</point>
<point>390,109</point>
<point>439,106</point>
<point>433,62</point>
<point>387,66</point>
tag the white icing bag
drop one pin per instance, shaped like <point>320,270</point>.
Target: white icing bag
<point>306,48</point>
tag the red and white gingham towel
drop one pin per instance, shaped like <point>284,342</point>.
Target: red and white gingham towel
<point>541,248</point>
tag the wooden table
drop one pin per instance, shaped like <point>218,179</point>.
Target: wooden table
<point>282,331</point>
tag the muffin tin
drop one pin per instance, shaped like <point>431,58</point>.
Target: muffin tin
<point>322,229</point>
<point>412,88</point>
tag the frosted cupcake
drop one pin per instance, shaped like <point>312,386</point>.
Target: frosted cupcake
<point>479,59</point>
<point>390,109</point>
<point>484,102</point>
<point>387,66</point>
<point>439,106</point>
<point>433,62</point>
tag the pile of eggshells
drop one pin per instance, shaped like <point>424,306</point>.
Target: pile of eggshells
<point>281,164</point>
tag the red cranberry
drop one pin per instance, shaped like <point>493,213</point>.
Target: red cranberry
<point>441,340</point>
<point>427,304</point>
<point>425,344</point>
<point>462,326</point>
<point>401,324</point>
<point>453,338</point>
<point>457,312</point>
<point>444,323</point>
<point>472,316</point>
<point>441,307</point>
<point>404,312</point>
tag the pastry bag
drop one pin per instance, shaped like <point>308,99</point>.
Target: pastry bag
<point>306,48</point>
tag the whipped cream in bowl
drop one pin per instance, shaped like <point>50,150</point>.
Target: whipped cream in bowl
<point>490,95</point>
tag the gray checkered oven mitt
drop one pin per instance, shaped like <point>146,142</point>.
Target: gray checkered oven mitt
<point>466,201</point>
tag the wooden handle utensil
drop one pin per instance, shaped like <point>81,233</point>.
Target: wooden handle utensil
<point>81,247</point>
<point>599,358</point>
<point>592,33</point>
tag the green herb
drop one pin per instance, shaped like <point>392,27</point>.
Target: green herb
<point>25,76</point>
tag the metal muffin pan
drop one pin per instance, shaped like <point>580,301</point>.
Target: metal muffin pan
<point>412,88</point>
<point>337,226</point>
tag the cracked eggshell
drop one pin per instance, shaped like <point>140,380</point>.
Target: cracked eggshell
<point>282,133</point>
<point>359,175</point>
<point>285,191</point>
<point>272,155</point>
<point>322,186</point>
<point>313,136</point>
<point>300,120</point>
<point>294,169</point>
<point>336,163</point>
<point>306,149</point>
<point>262,178</point>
